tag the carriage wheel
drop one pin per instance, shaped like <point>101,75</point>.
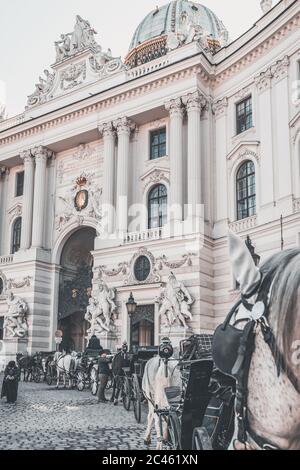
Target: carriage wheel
<point>36,375</point>
<point>201,440</point>
<point>80,382</point>
<point>174,431</point>
<point>136,399</point>
<point>94,381</point>
<point>49,376</point>
<point>126,393</point>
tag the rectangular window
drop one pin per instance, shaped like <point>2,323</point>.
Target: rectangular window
<point>244,115</point>
<point>158,143</point>
<point>20,184</point>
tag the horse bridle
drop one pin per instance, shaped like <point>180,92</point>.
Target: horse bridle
<point>243,342</point>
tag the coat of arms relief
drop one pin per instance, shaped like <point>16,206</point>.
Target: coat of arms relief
<point>81,202</point>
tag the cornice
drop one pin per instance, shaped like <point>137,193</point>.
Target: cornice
<point>227,71</point>
<point>214,74</point>
<point>193,70</point>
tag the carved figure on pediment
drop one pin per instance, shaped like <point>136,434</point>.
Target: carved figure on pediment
<point>63,47</point>
<point>95,196</point>
<point>41,88</point>
<point>83,34</point>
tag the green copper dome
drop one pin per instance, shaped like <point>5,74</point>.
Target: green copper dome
<point>165,20</point>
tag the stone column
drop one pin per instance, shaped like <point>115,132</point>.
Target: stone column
<point>220,108</point>
<point>3,172</point>
<point>176,111</point>
<point>264,83</point>
<point>281,133</point>
<point>123,127</point>
<point>194,103</point>
<point>109,135</point>
<point>27,207</point>
<point>41,155</point>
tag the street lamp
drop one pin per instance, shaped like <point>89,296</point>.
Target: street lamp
<point>131,308</point>
<point>131,305</point>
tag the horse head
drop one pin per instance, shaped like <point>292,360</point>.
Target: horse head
<point>269,364</point>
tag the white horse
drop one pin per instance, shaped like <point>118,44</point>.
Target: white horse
<point>153,385</point>
<point>273,401</point>
<point>63,363</point>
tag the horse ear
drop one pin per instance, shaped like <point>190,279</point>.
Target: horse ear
<point>244,269</point>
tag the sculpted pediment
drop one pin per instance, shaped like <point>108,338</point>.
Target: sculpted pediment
<point>242,150</point>
<point>15,211</point>
<point>80,61</point>
<point>156,175</point>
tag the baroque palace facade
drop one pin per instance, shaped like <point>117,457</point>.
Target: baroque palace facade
<point>123,176</point>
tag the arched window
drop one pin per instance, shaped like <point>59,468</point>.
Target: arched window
<point>16,235</point>
<point>157,207</point>
<point>246,191</point>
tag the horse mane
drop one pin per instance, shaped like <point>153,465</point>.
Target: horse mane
<point>284,268</point>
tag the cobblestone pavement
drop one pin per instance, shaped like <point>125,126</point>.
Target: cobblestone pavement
<point>48,419</point>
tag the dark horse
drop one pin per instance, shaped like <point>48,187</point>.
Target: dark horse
<point>27,364</point>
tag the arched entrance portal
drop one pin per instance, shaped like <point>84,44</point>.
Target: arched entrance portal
<point>75,287</point>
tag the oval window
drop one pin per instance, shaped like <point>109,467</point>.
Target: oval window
<point>142,268</point>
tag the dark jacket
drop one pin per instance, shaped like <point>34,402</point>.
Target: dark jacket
<point>10,383</point>
<point>103,366</point>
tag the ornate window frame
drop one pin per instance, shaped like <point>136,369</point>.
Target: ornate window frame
<point>12,228</point>
<point>153,277</point>
<point>167,196</point>
<point>155,176</point>
<point>242,153</point>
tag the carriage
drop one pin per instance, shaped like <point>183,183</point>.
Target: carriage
<point>200,414</point>
<point>128,370</point>
<point>33,367</point>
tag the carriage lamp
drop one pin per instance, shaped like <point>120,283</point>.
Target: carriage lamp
<point>166,349</point>
<point>131,305</point>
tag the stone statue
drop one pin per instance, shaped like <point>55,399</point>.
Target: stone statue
<point>175,302</point>
<point>189,31</point>
<point>41,88</point>
<point>71,43</point>
<point>15,322</point>
<point>83,35</point>
<point>104,63</point>
<point>2,112</point>
<point>63,47</point>
<point>100,310</point>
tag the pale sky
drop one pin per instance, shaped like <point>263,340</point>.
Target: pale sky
<point>28,29</point>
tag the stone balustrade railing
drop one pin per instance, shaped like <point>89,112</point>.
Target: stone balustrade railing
<point>244,224</point>
<point>147,68</point>
<point>297,205</point>
<point>14,121</point>
<point>9,259</point>
<point>147,235</point>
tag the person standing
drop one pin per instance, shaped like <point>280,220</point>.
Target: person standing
<point>10,382</point>
<point>104,372</point>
